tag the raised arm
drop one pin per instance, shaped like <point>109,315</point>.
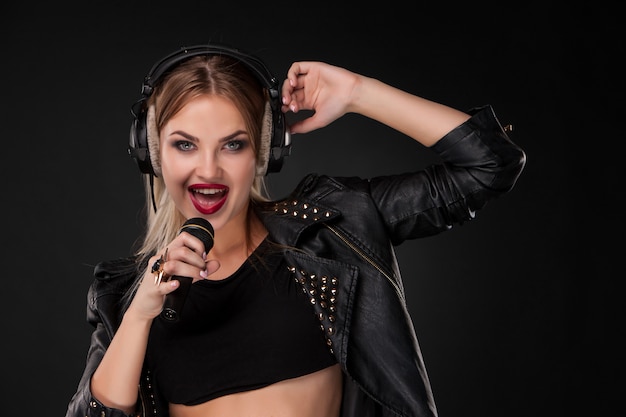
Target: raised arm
<point>332,91</point>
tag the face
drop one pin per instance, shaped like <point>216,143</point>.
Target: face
<point>207,161</point>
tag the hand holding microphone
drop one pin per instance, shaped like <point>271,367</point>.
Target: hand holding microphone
<point>174,301</point>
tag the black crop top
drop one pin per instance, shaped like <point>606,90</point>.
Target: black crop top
<point>244,332</point>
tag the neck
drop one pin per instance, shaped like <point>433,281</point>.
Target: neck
<point>233,245</point>
<point>239,238</point>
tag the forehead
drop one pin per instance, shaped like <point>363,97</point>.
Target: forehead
<point>210,110</point>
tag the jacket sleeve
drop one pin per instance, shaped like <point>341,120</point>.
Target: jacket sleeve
<point>479,163</point>
<point>104,314</point>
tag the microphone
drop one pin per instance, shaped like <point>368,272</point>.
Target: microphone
<point>174,301</point>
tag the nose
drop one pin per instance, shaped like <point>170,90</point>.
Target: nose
<point>208,165</point>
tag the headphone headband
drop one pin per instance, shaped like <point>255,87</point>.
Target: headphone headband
<point>253,63</point>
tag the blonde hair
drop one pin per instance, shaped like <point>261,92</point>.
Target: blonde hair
<point>197,76</point>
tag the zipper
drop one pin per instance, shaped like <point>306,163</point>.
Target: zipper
<point>368,260</point>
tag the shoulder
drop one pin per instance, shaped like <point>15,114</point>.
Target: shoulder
<point>115,275</point>
<point>316,186</point>
<point>113,279</point>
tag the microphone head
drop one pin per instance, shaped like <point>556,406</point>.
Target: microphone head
<point>200,228</point>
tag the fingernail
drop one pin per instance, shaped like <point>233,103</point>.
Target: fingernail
<point>204,273</point>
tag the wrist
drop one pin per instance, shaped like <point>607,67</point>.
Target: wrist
<point>134,316</point>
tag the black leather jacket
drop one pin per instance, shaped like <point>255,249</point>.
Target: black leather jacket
<point>345,229</point>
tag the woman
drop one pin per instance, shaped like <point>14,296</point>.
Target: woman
<point>298,308</point>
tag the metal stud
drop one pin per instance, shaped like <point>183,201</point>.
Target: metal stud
<point>320,288</point>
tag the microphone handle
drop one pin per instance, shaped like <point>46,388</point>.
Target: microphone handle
<point>174,301</point>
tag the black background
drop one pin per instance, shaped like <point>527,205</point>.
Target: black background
<point>519,312</point>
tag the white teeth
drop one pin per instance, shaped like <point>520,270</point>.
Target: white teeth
<point>211,191</point>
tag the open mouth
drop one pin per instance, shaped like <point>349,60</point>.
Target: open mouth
<point>208,200</point>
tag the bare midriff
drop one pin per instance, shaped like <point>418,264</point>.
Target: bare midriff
<point>314,395</point>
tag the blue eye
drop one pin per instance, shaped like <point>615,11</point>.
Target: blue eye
<point>235,145</point>
<point>184,145</point>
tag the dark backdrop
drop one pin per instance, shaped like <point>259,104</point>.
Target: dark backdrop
<point>518,312</point>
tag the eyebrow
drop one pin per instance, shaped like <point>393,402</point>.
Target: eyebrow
<point>192,138</point>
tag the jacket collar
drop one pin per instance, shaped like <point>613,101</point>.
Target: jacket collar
<point>286,219</point>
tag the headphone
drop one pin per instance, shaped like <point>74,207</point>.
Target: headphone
<point>279,138</point>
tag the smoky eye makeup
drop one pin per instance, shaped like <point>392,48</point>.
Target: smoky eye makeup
<point>183,145</point>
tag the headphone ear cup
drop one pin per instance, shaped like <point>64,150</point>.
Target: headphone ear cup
<point>280,141</point>
<point>138,144</point>
<point>152,140</point>
<point>265,144</point>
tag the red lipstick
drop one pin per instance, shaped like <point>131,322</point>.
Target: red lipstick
<point>208,198</point>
